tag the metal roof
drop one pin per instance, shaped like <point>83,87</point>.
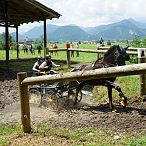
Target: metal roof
<point>24,11</point>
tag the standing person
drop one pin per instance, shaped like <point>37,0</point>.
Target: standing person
<point>55,47</point>
<point>72,52</point>
<point>67,45</point>
<point>77,52</point>
<point>51,47</point>
<point>25,48</point>
<point>48,64</point>
<point>39,49</point>
<point>101,42</point>
<point>35,69</point>
<point>97,45</point>
<point>31,49</point>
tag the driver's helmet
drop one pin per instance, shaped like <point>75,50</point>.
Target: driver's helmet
<point>48,56</point>
<point>39,58</point>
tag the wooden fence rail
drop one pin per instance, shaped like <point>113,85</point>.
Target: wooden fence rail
<point>90,51</point>
<point>98,52</point>
<point>126,70</point>
<point>129,49</point>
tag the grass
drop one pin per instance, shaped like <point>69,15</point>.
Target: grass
<point>43,135</point>
<point>25,64</point>
<point>60,56</point>
<point>128,84</point>
<point>8,130</point>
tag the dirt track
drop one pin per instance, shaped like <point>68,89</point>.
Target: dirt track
<point>87,114</point>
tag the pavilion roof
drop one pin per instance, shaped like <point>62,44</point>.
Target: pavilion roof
<point>24,11</point>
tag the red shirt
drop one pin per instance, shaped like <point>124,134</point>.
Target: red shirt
<point>67,45</point>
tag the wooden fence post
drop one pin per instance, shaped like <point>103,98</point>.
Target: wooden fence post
<point>24,102</point>
<point>142,59</point>
<point>68,58</point>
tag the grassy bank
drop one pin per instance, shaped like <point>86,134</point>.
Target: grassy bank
<point>43,135</point>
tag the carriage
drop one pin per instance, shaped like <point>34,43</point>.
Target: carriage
<point>56,95</point>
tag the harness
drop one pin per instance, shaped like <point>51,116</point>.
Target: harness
<point>101,64</point>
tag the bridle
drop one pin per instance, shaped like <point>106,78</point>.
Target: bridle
<point>120,56</point>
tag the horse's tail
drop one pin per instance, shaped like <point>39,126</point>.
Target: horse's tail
<point>79,68</point>
<point>74,69</point>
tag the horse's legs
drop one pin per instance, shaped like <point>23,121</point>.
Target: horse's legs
<point>111,106</point>
<point>123,101</point>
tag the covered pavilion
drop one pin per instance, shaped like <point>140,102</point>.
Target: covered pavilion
<point>14,13</point>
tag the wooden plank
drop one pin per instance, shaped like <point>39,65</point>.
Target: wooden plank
<point>90,51</point>
<point>134,69</point>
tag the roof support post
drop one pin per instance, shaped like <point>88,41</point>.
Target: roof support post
<point>17,45</point>
<point>45,38</point>
<point>6,33</point>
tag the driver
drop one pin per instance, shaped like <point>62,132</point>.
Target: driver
<point>48,64</point>
<point>35,69</point>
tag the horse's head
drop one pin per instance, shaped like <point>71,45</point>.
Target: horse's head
<point>116,55</point>
<point>122,55</point>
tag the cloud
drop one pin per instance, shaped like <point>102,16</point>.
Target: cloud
<point>96,12</point>
<point>92,12</point>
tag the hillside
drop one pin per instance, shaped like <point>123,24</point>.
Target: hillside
<point>37,32</point>
<point>124,30</point>
<point>69,32</point>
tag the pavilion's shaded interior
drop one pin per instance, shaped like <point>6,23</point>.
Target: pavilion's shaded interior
<point>13,13</point>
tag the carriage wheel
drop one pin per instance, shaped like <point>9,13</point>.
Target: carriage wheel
<point>49,99</point>
<point>55,100</point>
<point>34,96</point>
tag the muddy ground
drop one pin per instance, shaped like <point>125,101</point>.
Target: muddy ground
<point>87,114</point>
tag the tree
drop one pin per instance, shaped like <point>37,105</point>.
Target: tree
<point>109,43</point>
<point>136,42</point>
<point>144,42</point>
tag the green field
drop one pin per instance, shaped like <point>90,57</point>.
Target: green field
<point>44,136</point>
<point>71,137</point>
<point>60,55</point>
<point>60,58</point>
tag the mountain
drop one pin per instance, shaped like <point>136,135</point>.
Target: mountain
<point>97,29</point>
<point>70,33</point>
<point>13,34</point>
<point>138,24</point>
<point>124,30</point>
<point>37,32</point>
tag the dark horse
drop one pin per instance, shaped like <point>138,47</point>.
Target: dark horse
<point>115,56</point>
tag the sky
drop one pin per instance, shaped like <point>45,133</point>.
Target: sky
<point>90,13</point>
